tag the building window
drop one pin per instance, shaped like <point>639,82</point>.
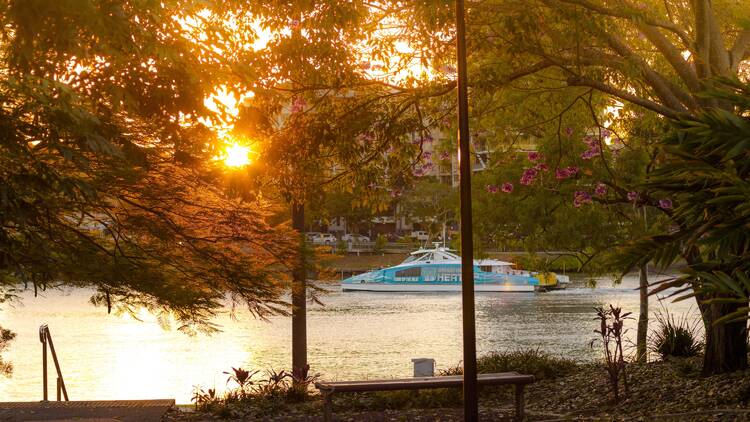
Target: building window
<point>410,272</point>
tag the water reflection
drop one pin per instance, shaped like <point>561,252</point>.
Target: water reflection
<point>356,335</point>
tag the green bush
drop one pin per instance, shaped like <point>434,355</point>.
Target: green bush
<point>256,396</point>
<point>380,243</point>
<point>675,338</point>
<point>541,365</point>
<point>342,247</point>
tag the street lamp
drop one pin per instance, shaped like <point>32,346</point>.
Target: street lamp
<point>471,401</point>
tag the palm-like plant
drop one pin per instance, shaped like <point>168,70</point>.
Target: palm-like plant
<point>241,377</point>
<point>705,171</point>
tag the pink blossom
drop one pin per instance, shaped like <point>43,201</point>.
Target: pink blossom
<point>564,173</point>
<point>426,155</point>
<point>298,105</point>
<point>294,23</point>
<point>632,196</point>
<point>427,138</point>
<point>507,187</point>
<point>528,176</point>
<point>568,132</point>
<point>591,153</point>
<point>534,156</point>
<point>541,167</point>
<point>492,188</point>
<point>600,190</point>
<point>665,204</point>
<point>395,193</point>
<point>445,155</point>
<point>581,197</point>
<point>606,132</point>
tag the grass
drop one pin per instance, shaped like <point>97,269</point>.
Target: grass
<point>675,337</point>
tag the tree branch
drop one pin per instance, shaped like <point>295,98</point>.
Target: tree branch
<point>632,15</point>
<point>657,82</point>
<point>673,56</point>
<point>624,95</point>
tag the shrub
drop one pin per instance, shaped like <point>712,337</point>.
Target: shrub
<point>261,397</point>
<point>611,331</point>
<point>675,337</point>
<point>541,365</point>
<point>380,244</point>
<point>342,247</point>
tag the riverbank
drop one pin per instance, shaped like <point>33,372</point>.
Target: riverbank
<point>670,390</point>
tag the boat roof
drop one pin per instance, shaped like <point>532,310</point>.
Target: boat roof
<point>442,255</point>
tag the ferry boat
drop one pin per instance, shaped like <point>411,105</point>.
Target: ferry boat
<point>439,270</point>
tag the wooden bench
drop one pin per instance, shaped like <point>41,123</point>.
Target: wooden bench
<point>327,389</point>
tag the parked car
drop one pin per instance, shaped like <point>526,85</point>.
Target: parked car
<point>420,235</point>
<point>355,238</point>
<point>324,239</point>
<point>311,236</point>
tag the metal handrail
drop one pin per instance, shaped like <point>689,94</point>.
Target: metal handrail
<point>45,338</point>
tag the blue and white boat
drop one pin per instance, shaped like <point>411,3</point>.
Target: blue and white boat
<point>439,270</point>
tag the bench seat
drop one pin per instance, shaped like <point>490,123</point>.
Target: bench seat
<point>328,388</point>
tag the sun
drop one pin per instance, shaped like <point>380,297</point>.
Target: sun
<point>236,155</point>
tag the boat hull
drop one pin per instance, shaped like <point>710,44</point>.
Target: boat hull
<point>405,287</point>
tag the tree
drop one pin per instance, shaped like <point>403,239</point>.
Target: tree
<point>652,56</point>
<point>318,122</point>
<point>705,168</point>
<point>432,202</point>
<point>108,175</point>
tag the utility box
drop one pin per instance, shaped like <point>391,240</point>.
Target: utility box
<point>424,367</point>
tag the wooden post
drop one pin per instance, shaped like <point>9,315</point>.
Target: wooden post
<point>519,403</point>
<point>60,380</point>
<point>327,406</point>
<point>44,366</point>
<point>471,399</point>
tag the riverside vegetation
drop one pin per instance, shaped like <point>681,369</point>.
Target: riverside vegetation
<point>670,388</point>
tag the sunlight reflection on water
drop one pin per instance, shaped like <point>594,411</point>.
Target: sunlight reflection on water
<point>356,335</point>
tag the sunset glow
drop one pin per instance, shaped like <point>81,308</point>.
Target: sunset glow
<point>236,155</point>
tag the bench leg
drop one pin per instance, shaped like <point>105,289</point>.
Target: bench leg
<point>327,407</point>
<point>519,403</point>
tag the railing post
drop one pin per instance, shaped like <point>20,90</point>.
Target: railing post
<point>43,339</point>
<point>57,365</point>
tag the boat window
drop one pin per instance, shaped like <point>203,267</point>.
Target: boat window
<point>486,268</point>
<point>410,272</point>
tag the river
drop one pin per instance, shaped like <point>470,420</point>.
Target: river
<point>356,335</point>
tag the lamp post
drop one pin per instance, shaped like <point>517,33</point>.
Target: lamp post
<point>471,402</point>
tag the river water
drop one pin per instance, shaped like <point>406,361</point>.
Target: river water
<point>356,335</point>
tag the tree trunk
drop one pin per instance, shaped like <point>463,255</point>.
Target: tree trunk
<point>299,294</point>
<point>726,344</point>
<point>642,336</point>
